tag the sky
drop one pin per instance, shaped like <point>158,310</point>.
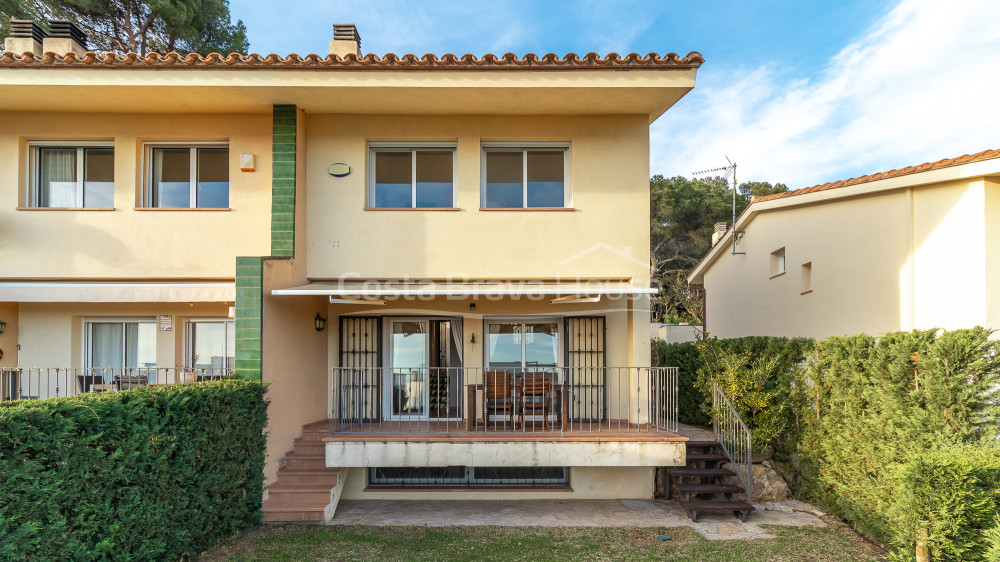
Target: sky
<point>794,92</point>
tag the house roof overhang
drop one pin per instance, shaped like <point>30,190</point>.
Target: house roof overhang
<point>985,168</point>
<point>378,289</point>
<point>368,85</point>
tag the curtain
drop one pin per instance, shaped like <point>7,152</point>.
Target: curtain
<point>456,336</point>
<point>57,177</point>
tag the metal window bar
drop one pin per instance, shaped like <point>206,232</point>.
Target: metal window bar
<point>734,436</point>
<point>469,477</point>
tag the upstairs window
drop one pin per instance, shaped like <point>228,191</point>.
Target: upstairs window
<point>778,262</point>
<point>411,177</point>
<point>72,175</point>
<point>525,177</point>
<point>187,176</point>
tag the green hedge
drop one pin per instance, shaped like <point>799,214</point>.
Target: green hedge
<point>957,493</point>
<point>875,404</point>
<point>151,473</point>
<point>700,361</point>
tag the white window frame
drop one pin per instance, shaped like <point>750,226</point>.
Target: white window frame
<point>32,175</point>
<point>189,332</point>
<point>413,148</point>
<point>147,159</point>
<point>88,335</point>
<point>524,148</point>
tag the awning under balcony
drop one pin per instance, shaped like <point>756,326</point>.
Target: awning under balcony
<point>380,289</point>
<point>56,291</point>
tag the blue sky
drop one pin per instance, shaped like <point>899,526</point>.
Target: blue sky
<point>794,92</point>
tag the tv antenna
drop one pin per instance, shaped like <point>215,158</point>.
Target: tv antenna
<point>729,170</point>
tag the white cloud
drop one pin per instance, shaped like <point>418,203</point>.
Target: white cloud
<point>921,85</point>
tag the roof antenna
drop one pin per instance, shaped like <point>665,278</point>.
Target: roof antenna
<point>729,170</point>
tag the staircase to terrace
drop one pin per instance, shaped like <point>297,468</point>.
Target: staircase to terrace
<point>306,489</point>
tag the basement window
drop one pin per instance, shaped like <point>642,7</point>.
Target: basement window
<point>778,262</point>
<point>72,175</point>
<point>470,477</point>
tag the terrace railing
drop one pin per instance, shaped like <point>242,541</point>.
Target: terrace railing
<point>32,383</point>
<point>534,399</point>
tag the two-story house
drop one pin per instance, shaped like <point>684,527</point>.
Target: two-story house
<point>439,265</point>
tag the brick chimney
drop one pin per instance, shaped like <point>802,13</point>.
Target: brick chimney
<point>65,37</point>
<point>25,37</point>
<point>345,40</point>
<point>720,231</point>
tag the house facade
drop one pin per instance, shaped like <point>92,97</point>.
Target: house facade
<point>915,248</point>
<point>439,265</point>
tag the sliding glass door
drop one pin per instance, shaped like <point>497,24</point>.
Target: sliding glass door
<point>523,346</point>
<point>423,377</point>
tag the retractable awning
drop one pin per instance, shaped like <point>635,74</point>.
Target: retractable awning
<point>54,291</point>
<point>378,289</point>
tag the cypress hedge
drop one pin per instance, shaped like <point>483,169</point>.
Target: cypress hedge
<point>876,404</point>
<point>151,473</point>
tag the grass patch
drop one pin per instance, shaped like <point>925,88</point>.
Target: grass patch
<point>319,542</point>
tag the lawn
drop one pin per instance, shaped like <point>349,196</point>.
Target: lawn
<point>319,542</point>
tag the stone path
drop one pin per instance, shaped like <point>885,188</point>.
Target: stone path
<point>570,513</point>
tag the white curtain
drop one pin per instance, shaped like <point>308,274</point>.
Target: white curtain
<point>456,336</point>
<point>57,177</point>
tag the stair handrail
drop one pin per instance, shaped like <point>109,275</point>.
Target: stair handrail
<point>734,436</point>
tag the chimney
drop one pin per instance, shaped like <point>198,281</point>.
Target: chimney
<point>25,37</point>
<point>720,231</point>
<point>65,37</point>
<point>345,40</point>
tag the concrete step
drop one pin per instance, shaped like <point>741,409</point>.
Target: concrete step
<point>300,477</point>
<point>300,495</point>
<point>309,447</point>
<point>737,508</point>
<point>278,513</point>
<point>305,461</point>
<point>704,472</point>
<point>702,444</point>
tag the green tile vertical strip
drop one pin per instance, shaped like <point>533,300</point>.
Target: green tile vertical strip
<point>283,182</point>
<point>249,297</point>
<point>249,272</point>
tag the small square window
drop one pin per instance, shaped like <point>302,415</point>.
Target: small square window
<point>72,176</point>
<point>411,177</point>
<point>187,176</point>
<point>525,177</point>
<point>778,262</point>
<point>807,277</point>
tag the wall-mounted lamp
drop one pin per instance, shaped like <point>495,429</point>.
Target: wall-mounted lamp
<point>472,306</point>
<point>320,323</point>
<point>2,326</point>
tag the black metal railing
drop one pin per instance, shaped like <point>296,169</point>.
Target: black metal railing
<point>34,383</point>
<point>463,400</point>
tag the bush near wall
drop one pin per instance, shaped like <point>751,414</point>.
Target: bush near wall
<point>957,493</point>
<point>151,473</point>
<point>877,404</point>
<point>690,398</point>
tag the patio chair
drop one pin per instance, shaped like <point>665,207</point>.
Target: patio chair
<point>496,399</point>
<point>534,395</point>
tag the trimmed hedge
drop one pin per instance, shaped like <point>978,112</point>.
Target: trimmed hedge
<point>875,404</point>
<point>958,492</point>
<point>152,473</point>
<point>690,398</point>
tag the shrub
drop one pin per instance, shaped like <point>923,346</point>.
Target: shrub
<point>958,492</point>
<point>151,473</point>
<point>877,403</point>
<point>691,398</point>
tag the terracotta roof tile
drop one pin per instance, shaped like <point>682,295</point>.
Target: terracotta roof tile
<point>967,159</point>
<point>449,61</point>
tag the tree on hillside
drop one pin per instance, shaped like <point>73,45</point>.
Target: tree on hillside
<point>682,215</point>
<point>140,26</point>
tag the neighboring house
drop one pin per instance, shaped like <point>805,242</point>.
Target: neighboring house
<point>916,248</point>
<point>430,260</point>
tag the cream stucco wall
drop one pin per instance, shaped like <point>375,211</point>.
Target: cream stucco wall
<point>992,218</point>
<point>128,243</point>
<point>601,237</point>
<point>914,257</point>
<point>585,483</point>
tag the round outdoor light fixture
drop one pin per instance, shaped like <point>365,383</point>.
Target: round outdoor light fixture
<point>320,323</point>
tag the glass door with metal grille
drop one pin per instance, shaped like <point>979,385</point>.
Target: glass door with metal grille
<point>423,374</point>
